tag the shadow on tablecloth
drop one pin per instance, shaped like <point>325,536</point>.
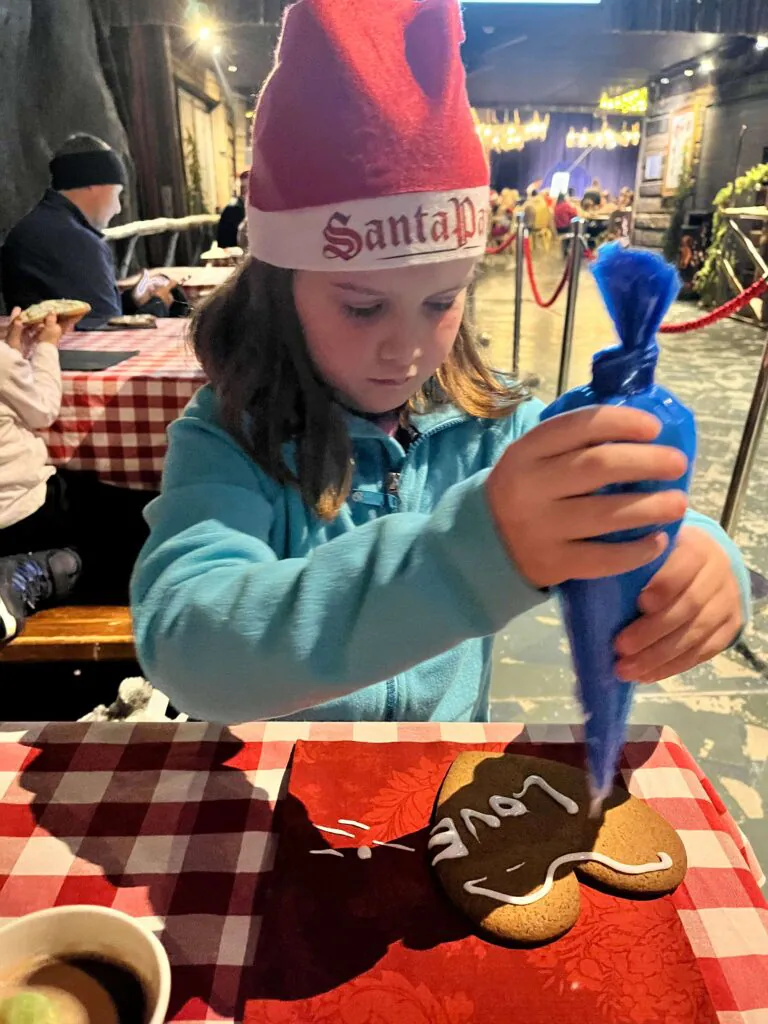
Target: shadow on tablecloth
<point>173,831</point>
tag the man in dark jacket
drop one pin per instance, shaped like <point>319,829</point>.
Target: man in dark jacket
<point>232,216</point>
<point>58,251</point>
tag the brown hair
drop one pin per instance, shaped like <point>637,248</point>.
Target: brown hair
<point>249,338</point>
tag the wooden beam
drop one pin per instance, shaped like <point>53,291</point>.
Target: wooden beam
<point>230,13</point>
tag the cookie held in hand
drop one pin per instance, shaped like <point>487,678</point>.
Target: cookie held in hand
<point>65,308</point>
<point>512,838</point>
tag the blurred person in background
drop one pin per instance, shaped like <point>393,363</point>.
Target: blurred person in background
<point>58,250</point>
<point>233,216</point>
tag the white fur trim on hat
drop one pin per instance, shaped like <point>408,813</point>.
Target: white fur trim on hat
<point>372,234</point>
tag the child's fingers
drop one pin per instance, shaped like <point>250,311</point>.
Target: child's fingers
<point>589,560</point>
<point>593,426</point>
<point>601,514</point>
<point>589,470</point>
<point>714,642</point>
<point>15,333</point>
<point>650,629</point>
<point>680,570</point>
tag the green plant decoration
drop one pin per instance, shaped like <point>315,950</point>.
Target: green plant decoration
<point>674,233</point>
<point>705,281</point>
<point>195,197</point>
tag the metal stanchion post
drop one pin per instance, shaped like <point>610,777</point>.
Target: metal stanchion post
<point>748,451</point>
<point>519,272</point>
<point>576,257</point>
<point>745,461</point>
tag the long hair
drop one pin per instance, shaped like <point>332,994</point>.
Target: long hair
<point>250,341</point>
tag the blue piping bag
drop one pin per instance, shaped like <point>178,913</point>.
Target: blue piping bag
<point>638,289</point>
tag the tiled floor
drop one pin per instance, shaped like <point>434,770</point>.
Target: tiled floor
<point>721,709</point>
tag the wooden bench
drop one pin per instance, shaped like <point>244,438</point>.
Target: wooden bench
<point>74,634</point>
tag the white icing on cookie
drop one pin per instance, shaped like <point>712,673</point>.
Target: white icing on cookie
<point>327,853</point>
<point>565,801</point>
<point>475,889</point>
<point>356,824</point>
<point>335,831</point>
<point>507,807</point>
<point>364,852</point>
<point>450,839</point>
<point>395,846</point>
<point>467,814</point>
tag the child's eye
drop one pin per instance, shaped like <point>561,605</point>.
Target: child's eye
<point>442,307</point>
<point>363,312</point>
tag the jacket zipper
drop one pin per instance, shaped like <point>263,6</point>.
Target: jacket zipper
<point>392,488</point>
<point>393,480</point>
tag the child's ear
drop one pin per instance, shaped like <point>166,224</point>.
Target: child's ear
<point>633,834</point>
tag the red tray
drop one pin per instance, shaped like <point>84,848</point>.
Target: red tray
<point>373,941</point>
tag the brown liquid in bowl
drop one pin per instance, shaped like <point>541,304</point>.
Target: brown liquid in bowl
<point>84,990</point>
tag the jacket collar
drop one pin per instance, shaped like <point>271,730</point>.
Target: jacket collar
<point>360,428</point>
<point>60,202</point>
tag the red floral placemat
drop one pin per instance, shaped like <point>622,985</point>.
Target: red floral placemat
<point>367,937</point>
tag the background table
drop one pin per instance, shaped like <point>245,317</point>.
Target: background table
<point>114,421</point>
<point>196,281</point>
<point>173,824</point>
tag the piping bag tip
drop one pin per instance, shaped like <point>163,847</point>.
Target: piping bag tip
<point>596,803</point>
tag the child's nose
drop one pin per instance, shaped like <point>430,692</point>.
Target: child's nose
<point>400,350</point>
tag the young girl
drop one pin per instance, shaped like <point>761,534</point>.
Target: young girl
<point>355,504</point>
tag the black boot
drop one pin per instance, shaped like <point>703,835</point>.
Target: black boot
<point>29,583</point>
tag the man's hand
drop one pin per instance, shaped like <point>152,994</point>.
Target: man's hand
<point>691,611</point>
<point>165,292</point>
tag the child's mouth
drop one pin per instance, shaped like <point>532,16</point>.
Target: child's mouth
<point>390,382</point>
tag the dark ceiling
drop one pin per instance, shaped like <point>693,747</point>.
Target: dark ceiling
<point>548,57</point>
<point>564,56</point>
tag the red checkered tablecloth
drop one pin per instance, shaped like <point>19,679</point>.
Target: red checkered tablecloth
<point>114,421</point>
<point>173,824</point>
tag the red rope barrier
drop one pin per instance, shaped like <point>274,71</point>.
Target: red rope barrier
<point>503,247</point>
<point>532,279</point>
<point>721,313</point>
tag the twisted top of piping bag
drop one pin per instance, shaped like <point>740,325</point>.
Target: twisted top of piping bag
<point>638,288</point>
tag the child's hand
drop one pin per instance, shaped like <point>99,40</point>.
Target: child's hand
<point>15,337</point>
<point>542,494</point>
<point>22,338</point>
<point>50,332</point>
<point>691,612</point>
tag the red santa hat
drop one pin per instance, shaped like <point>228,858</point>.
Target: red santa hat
<point>365,153</point>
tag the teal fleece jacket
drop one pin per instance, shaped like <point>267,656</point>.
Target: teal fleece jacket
<point>246,606</point>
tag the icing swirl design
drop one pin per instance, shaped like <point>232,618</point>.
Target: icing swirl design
<point>536,780</point>
<point>475,889</point>
<point>446,834</point>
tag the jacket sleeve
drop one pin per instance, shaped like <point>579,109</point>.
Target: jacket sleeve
<point>233,633</point>
<point>31,388</point>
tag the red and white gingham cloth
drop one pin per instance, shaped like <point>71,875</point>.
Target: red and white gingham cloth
<point>114,421</point>
<point>173,824</point>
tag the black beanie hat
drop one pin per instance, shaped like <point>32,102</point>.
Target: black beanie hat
<point>79,170</point>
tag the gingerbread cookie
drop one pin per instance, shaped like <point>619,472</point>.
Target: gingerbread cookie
<point>512,837</point>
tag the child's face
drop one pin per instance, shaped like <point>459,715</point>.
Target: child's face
<point>377,336</point>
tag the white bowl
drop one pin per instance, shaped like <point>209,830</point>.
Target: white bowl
<point>91,931</point>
